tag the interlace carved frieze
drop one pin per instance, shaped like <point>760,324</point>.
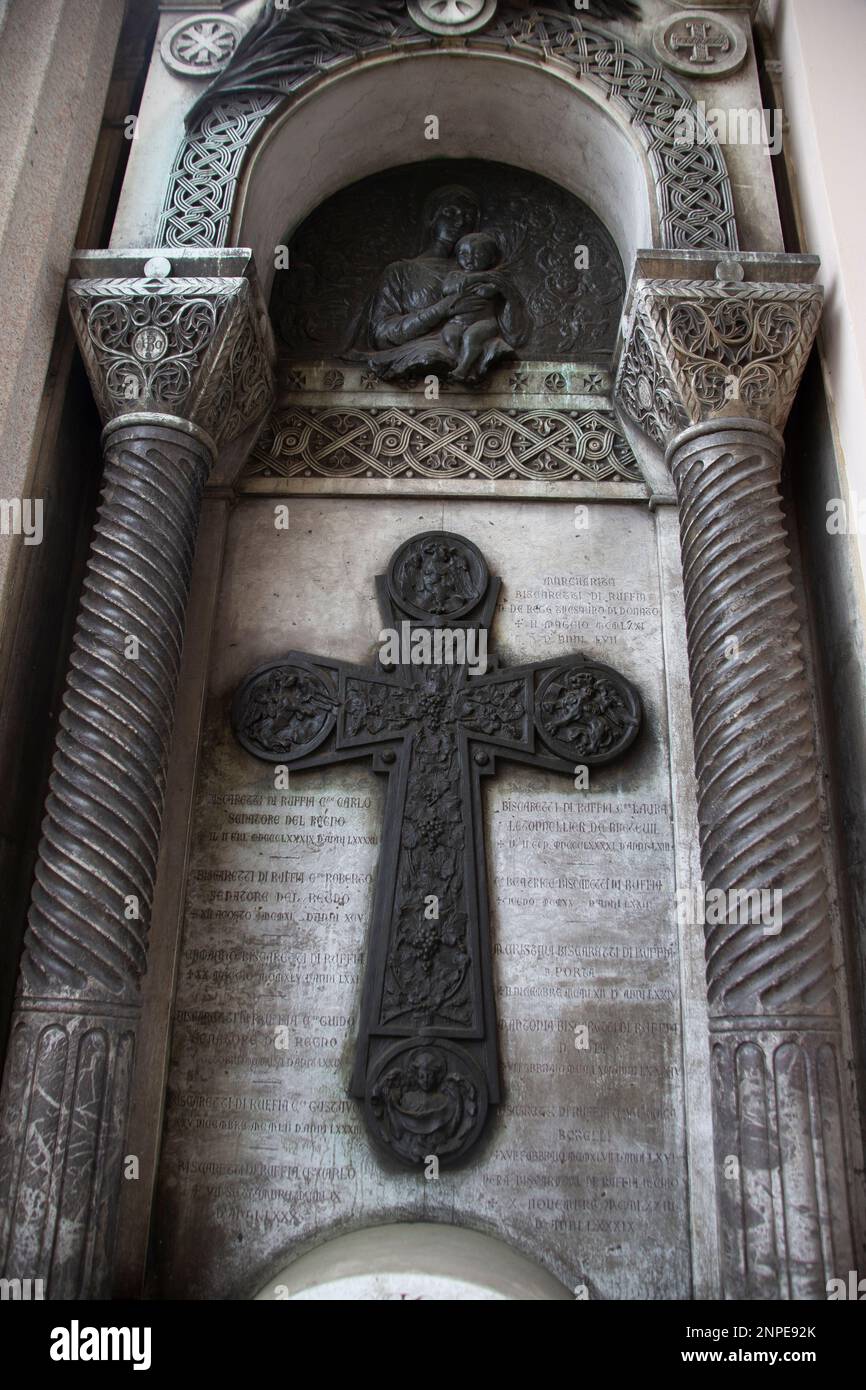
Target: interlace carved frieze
<point>443,443</point>
<point>279,54</point>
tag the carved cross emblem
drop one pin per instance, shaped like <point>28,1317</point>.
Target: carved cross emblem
<point>426,1062</point>
<point>702,38</point>
<point>451,16</point>
<point>452,11</point>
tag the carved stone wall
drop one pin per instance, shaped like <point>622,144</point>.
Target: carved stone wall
<point>278,56</point>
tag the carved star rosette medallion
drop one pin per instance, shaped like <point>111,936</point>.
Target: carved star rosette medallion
<point>202,46</point>
<point>426,1062</point>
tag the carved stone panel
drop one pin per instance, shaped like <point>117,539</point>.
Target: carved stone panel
<point>584,1159</point>
<point>407,441</point>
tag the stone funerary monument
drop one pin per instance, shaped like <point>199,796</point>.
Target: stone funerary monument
<point>435,895</point>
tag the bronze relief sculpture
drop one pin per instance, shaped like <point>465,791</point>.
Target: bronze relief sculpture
<point>453,310</point>
<point>373,254</point>
<point>426,1063</point>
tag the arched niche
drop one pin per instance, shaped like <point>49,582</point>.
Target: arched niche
<point>498,107</point>
<point>413,1260</point>
<point>635,162</point>
<point>555,251</point>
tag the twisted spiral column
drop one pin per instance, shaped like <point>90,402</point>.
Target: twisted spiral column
<point>774,1017</point>
<point>66,1087</point>
<point>712,356</point>
<point>756,765</point>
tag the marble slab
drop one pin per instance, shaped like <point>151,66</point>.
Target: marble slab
<point>264,1156</point>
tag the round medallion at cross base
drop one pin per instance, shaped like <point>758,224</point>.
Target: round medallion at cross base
<point>426,1099</point>
<point>451,16</point>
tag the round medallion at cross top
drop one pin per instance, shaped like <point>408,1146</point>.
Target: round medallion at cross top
<point>438,575</point>
<point>201,47</point>
<point>451,16</point>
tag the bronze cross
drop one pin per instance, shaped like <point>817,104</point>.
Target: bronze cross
<point>426,1061</point>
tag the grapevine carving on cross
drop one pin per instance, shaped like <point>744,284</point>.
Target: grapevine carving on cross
<point>426,1059</point>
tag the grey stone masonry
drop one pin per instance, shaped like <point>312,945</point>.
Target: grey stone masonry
<point>180,364</point>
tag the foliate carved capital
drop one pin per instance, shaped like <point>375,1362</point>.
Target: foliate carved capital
<point>189,337</point>
<point>725,340</point>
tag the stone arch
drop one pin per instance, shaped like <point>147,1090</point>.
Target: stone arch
<point>315,148</point>
<point>449,1262</point>
<point>633,110</point>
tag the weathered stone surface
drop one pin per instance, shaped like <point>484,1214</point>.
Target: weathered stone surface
<point>193,357</point>
<point>709,369</point>
<point>263,1149</point>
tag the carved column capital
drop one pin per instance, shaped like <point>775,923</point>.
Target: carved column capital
<point>188,338</point>
<point>705,342</point>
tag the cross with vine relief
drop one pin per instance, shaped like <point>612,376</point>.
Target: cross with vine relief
<point>426,1063</point>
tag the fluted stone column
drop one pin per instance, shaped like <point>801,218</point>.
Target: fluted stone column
<point>712,359</point>
<point>180,362</point>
